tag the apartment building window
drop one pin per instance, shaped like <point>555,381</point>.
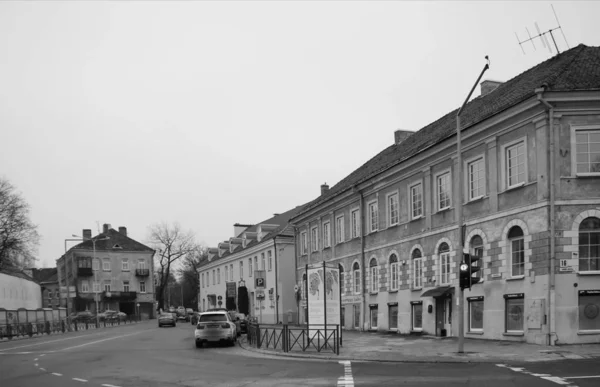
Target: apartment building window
<point>416,200</point>
<point>241,269</point>
<point>142,264</point>
<point>85,287</point>
<point>589,245</point>
<point>249,267</point>
<point>475,313</point>
<point>96,264</point>
<point>219,276</point>
<point>443,191</point>
<point>125,264</point>
<point>513,312</point>
<point>393,272</point>
<point>262,261</point>
<point>142,287</point>
<point>356,275</point>
<point>231,272</point>
<point>214,277</point>
<point>256,262</point>
<point>326,234</point>
<point>125,286</point>
<point>517,251</point>
<point>314,242</point>
<point>374,276</point>
<point>96,287</point>
<point>339,229</point>
<point>444,253</point>
<point>416,309</point>
<point>476,249</point>
<point>373,216</point>
<point>106,264</point>
<point>589,310</point>
<point>107,285</point>
<point>270,259</point>
<point>476,176</point>
<point>393,217</point>
<point>303,243</point>
<point>356,311</point>
<point>515,164</point>
<point>226,273</point>
<point>202,280</point>
<point>373,312</point>
<point>586,150</point>
<point>342,279</point>
<point>355,219</point>
<point>417,260</point>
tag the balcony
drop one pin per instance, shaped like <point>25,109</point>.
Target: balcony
<point>85,272</point>
<point>122,296</point>
<point>142,272</point>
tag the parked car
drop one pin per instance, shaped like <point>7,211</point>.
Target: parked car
<point>167,319</point>
<point>181,314</point>
<point>111,315</point>
<point>215,327</point>
<point>84,316</point>
<point>190,313</point>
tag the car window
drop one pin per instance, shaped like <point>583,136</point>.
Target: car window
<point>213,317</point>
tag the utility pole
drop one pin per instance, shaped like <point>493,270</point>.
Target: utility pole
<point>459,214</point>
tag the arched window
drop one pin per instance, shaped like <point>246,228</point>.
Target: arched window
<point>444,254</point>
<point>517,251</point>
<point>393,272</point>
<point>417,259</point>
<point>356,275</point>
<point>476,246</point>
<point>342,279</point>
<point>589,245</point>
<point>374,276</point>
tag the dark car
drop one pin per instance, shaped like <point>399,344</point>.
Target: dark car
<point>167,319</point>
<point>84,316</point>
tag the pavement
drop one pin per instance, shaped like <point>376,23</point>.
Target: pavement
<point>394,348</point>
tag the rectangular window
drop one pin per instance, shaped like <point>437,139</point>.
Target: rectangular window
<point>586,150</point>
<point>393,317</point>
<point>444,268</point>
<point>218,276</point>
<point>125,264</point>
<point>393,217</point>
<point>514,312</point>
<point>125,286</point>
<point>226,273</point>
<point>339,229</point>
<point>416,315</point>
<point>255,262</point>
<point>374,280</point>
<point>342,282</point>
<point>374,310</point>
<point>356,309</point>
<point>443,191</point>
<point>326,234</point>
<point>231,272</point>
<point>107,286</point>
<point>314,242</point>
<point>417,273</point>
<point>142,287</point>
<point>373,217</point>
<point>95,265</point>
<point>214,277</point>
<point>303,243</point>
<point>142,264</point>
<point>475,314</point>
<point>250,267</point>
<point>517,257</point>
<point>355,219</point>
<point>357,281</point>
<point>202,280</point>
<point>342,317</point>
<point>96,287</point>
<point>262,261</point>
<point>416,200</point>
<point>270,259</point>
<point>476,176</point>
<point>515,164</point>
<point>85,287</point>
<point>589,305</point>
<point>241,269</point>
<point>394,276</point>
<point>106,264</point>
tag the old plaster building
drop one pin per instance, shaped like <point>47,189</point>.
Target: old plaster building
<point>267,246</point>
<point>121,275</point>
<point>531,205</point>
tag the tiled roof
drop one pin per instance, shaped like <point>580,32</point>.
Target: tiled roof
<point>283,229</point>
<point>17,273</point>
<point>45,274</point>
<point>116,238</point>
<point>575,69</point>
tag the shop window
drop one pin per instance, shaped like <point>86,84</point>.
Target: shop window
<point>374,310</point>
<point>416,315</point>
<point>514,312</point>
<point>356,310</point>
<point>393,317</point>
<point>589,310</point>
<point>475,314</point>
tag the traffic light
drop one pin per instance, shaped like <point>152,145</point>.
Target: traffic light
<point>464,274</point>
<point>468,268</point>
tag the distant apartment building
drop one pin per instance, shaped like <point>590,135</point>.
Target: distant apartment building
<point>48,280</point>
<point>531,210</point>
<point>121,275</point>
<point>266,249</point>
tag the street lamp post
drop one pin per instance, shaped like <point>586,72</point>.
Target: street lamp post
<point>96,289</point>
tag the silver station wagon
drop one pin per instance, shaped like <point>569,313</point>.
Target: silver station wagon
<point>215,327</point>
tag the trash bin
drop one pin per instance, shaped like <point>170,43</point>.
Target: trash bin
<point>443,333</point>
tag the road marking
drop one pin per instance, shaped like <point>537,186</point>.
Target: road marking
<point>581,377</point>
<point>51,341</point>
<point>36,364</point>
<point>42,369</point>
<point>99,341</point>
<point>43,354</point>
<point>548,377</point>
<point>35,359</point>
<point>347,380</point>
<point>556,379</point>
<point>56,374</point>
<point>109,385</point>
<point>80,380</point>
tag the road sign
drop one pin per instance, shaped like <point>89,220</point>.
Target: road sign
<point>260,294</point>
<point>260,280</point>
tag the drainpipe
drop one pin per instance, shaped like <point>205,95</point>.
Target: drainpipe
<point>362,258</point>
<point>276,281</point>
<point>552,262</point>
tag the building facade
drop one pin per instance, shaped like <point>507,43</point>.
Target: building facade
<point>48,280</point>
<point>531,211</point>
<point>112,268</point>
<point>19,290</point>
<point>264,250</point>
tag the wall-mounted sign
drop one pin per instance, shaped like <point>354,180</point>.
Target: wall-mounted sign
<point>514,295</point>
<point>416,302</point>
<point>589,292</point>
<point>392,304</point>
<point>351,299</point>
<point>477,298</point>
<point>231,291</point>
<point>260,280</point>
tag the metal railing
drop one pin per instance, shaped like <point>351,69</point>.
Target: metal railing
<point>289,338</point>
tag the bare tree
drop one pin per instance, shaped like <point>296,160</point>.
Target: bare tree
<point>19,238</point>
<point>189,275</point>
<point>171,244</point>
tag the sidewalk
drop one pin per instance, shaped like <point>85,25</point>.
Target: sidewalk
<point>384,347</point>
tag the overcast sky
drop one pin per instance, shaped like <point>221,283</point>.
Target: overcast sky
<point>212,113</point>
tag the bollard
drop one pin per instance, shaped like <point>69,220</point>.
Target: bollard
<point>30,329</point>
<point>48,327</point>
<point>62,325</point>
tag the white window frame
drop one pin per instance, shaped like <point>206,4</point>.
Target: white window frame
<point>470,314</point>
<point>231,271</point>
<point>106,264</point>
<point>417,272</point>
<point>96,264</point>
<point>504,170</point>
<point>443,179</point>
<point>214,277</point>
<point>373,214</point>
<point>355,222</point>
<point>374,276</point>
<point>241,269</point>
<point>511,253</point>
<point>250,267</point>
<point>226,273</point>
<point>413,315</point>
<point>263,263</point>
<point>506,311</point>
<point>141,264</point>
<point>107,286</point>
<point>303,243</point>
<point>85,287</point>
<point>96,286</point>
<point>480,179</point>
<point>202,280</point>
<point>326,234</point>
<point>126,283</point>
<point>219,276</point>
<point>393,199</point>
<point>574,130</point>
<point>412,200</point>
<point>445,269</point>
<point>356,288</point>
<point>270,260</point>
<point>339,229</point>
<point>394,270</point>
<point>314,239</point>
<point>125,264</point>
<point>142,286</point>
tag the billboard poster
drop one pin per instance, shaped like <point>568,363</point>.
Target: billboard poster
<point>323,296</point>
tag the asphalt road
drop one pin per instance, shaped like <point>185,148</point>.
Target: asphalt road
<point>145,355</point>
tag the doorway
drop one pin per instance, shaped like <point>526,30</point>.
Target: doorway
<point>443,316</point>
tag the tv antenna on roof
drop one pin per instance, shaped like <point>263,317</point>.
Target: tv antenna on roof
<point>543,36</point>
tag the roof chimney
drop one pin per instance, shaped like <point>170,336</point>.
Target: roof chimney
<point>488,86</point>
<point>87,234</point>
<point>123,230</point>
<point>401,135</point>
<point>324,188</point>
<point>106,227</point>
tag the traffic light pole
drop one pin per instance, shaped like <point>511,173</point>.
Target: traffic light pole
<point>459,215</point>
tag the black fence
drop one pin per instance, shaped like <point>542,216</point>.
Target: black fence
<point>288,338</point>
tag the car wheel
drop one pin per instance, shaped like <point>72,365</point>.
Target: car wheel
<point>198,344</point>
